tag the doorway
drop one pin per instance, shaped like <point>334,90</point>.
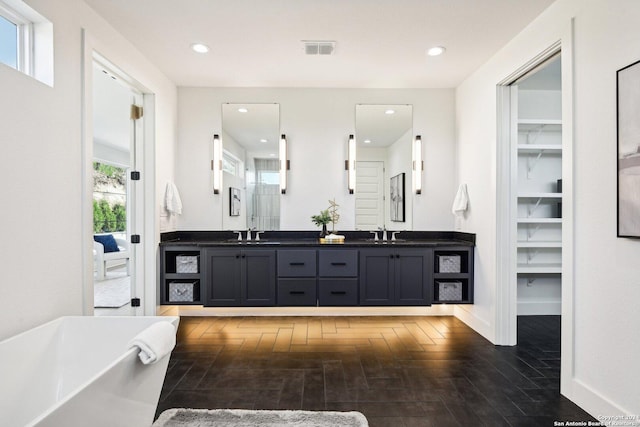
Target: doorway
<point>533,206</point>
<point>117,130</point>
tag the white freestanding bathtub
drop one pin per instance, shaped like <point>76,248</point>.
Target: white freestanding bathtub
<point>78,371</point>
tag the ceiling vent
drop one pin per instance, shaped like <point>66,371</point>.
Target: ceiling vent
<point>316,47</point>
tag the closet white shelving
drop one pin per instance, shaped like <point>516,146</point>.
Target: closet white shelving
<point>539,225</point>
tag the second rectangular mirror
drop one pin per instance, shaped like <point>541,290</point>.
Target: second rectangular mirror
<point>251,187</point>
<point>384,135</point>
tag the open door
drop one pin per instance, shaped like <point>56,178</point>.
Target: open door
<point>117,136</point>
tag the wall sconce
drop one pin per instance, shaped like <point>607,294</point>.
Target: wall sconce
<point>418,164</point>
<point>216,164</point>
<point>350,164</point>
<point>284,164</point>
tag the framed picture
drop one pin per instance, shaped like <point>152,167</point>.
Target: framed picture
<point>234,201</point>
<point>397,198</point>
<point>628,103</point>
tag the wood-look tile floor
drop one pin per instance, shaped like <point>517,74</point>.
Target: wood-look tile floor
<point>397,371</point>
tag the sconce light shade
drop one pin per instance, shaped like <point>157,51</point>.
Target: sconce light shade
<point>216,164</point>
<point>283,163</point>
<point>351,165</point>
<point>418,165</point>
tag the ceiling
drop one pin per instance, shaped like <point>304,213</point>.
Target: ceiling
<point>379,43</point>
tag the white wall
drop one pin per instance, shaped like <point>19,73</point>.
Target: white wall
<point>605,346</point>
<point>317,123</point>
<point>41,250</point>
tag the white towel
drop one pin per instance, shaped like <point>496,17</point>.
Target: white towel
<point>172,200</point>
<point>461,201</point>
<point>155,342</point>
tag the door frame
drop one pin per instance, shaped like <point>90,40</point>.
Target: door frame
<point>144,262</point>
<point>506,287</point>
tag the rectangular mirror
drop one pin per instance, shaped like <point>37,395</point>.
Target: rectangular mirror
<point>251,180</point>
<point>383,197</point>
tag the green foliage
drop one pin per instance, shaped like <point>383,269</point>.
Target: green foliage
<point>107,218</point>
<point>107,170</point>
<point>109,173</point>
<point>323,219</point>
<point>121,217</point>
<point>98,218</point>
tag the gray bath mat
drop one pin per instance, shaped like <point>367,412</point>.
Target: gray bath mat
<point>245,418</point>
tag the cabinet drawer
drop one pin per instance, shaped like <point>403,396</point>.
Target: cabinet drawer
<point>338,263</point>
<point>293,263</point>
<point>333,292</point>
<point>297,292</point>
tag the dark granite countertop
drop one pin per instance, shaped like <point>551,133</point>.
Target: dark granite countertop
<point>311,239</point>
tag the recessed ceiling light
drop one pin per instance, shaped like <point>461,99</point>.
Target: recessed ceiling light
<point>436,50</point>
<point>200,48</point>
<point>390,112</point>
<point>367,141</point>
<point>263,140</point>
<point>242,110</point>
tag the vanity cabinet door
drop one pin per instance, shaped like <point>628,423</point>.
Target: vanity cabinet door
<point>412,270</point>
<point>395,276</point>
<point>235,277</point>
<point>222,277</point>
<point>258,277</point>
<point>376,276</point>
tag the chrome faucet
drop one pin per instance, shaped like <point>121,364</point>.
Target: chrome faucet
<point>393,234</point>
<point>384,233</point>
<point>258,235</point>
<point>375,233</point>
<point>249,234</point>
<point>239,234</point>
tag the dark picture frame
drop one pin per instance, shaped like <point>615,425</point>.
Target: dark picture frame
<point>234,201</point>
<point>396,199</point>
<point>628,150</point>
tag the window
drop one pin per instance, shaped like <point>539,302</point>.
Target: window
<point>16,41</point>
<point>8,42</point>
<point>26,41</point>
<point>231,164</point>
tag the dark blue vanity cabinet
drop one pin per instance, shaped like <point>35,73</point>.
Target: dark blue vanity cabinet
<point>431,268</point>
<point>239,277</point>
<point>395,276</point>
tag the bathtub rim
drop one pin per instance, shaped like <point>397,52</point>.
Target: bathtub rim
<point>175,320</point>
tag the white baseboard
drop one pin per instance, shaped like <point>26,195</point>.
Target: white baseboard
<point>479,325</point>
<point>539,308</point>
<point>594,403</point>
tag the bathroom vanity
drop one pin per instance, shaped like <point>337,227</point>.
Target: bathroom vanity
<point>291,268</point>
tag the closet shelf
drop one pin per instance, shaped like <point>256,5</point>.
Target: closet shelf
<point>539,220</point>
<point>539,244</point>
<point>549,268</point>
<point>537,148</point>
<point>540,195</point>
<point>544,125</point>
